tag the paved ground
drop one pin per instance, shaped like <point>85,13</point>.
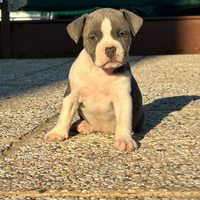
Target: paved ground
<point>166,166</point>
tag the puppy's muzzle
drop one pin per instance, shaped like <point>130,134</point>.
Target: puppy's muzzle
<point>110,51</point>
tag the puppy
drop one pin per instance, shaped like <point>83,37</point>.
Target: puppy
<point>100,84</point>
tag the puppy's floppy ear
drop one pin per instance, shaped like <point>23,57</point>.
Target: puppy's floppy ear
<point>75,29</point>
<point>135,22</point>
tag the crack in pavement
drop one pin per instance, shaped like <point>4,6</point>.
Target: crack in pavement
<point>108,193</point>
<point>22,141</point>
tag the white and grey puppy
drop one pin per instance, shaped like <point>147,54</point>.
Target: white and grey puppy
<point>100,85</point>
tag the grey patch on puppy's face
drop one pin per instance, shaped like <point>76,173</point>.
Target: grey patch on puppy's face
<point>122,34</point>
<point>92,34</point>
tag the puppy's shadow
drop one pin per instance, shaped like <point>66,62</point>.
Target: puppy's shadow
<point>155,112</point>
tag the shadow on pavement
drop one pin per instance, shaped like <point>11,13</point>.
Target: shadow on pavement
<point>18,76</point>
<point>155,112</point>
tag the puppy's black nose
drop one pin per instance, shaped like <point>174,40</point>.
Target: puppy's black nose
<point>110,51</point>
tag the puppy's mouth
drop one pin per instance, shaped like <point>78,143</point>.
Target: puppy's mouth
<point>111,64</point>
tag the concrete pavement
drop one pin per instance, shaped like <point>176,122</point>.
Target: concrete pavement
<point>166,166</point>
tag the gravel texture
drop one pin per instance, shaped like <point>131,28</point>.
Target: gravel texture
<point>166,165</point>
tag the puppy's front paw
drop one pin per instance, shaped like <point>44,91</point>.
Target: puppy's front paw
<point>53,136</point>
<point>125,144</point>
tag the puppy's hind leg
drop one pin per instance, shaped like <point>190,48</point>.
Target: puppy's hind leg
<point>81,126</point>
<point>74,125</point>
<point>84,127</point>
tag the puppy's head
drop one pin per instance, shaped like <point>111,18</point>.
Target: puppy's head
<point>106,35</point>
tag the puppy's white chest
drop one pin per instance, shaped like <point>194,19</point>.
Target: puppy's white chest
<point>97,108</point>
<point>95,100</point>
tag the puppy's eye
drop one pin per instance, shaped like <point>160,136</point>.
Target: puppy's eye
<point>93,38</point>
<point>122,34</point>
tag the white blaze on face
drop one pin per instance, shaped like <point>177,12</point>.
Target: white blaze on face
<point>108,41</point>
